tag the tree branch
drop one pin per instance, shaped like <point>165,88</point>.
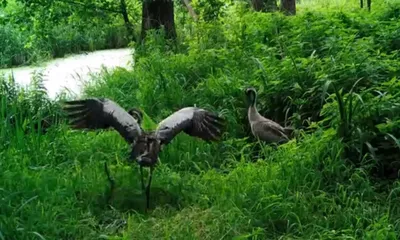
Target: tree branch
<point>190,9</point>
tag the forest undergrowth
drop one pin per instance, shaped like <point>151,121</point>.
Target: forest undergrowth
<point>332,74</point>
<point>35,31</point>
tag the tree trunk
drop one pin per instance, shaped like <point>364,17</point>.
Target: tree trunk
<point>369,5</point>
<point>128,24</point>
<point>271,5</point>
<point>264,5</point>
<point>190,9</point>
<point>288,7</point>
<point>258,5</point>
<point>157,13</point>
<point>361,3</point>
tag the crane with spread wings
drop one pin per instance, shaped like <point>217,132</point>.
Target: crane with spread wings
<point>103,113</point>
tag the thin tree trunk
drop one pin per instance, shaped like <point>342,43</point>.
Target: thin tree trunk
<point>369,5</point>
<point>288,7</point>
<point>361,3</point>
<point>190,9</point>
<point>157,13</point>
<point>264,5</point>
<point>258,5</point>
<point>128,24</point>
<point>271,5</point>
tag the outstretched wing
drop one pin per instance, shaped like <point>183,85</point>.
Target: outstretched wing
<point>195,122</point>
<point>102,113</point>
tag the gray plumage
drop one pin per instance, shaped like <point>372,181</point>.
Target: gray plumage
<point>102,113</point>
<point>194,121</point>
<point>262,128</point>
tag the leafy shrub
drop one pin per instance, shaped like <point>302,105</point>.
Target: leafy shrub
<point>12,50</point>
<point>30,34</point>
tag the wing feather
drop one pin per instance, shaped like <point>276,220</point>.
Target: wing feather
<point>269,131</point>
<point>102,113</point>
<point>194,121</point>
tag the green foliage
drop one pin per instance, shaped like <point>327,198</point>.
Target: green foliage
<point>333,75</point>
<point>208,10</point>
<point>26,110</point>
<point>13,51</point>
<point>39,29</point>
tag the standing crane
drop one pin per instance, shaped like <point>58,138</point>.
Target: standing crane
<point>101,113</point>
<point>263,128</point>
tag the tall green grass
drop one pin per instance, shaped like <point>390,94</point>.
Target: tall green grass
<point>330,182</point>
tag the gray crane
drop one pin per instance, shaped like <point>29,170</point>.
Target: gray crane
<point>103,113</point>
<point>263,128</point>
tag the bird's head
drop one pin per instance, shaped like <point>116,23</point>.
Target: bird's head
<point>136,114</point>
<point>251,95</point>
<point>146,149</point>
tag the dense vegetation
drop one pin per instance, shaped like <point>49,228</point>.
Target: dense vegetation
<point>32,31</point>
<point>332,73</point>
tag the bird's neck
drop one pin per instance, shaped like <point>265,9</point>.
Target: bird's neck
<point>253,112</point>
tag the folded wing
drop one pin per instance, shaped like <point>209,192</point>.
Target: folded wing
<point>102,113</point>
<point>195,122</point>
<point>269,131</point>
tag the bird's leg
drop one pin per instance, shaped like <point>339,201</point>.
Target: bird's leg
<point>111,180</point>
<point>148,189</point>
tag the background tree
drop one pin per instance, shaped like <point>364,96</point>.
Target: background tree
<point>58,10</point>
<point>208,10</point>
<point>128,24</point>
<point>288,7</point>
<point>37,30</point>
<point>368,4</point>
<point>264,5</point>
<point>190,9</point>
<point>158,13</point>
